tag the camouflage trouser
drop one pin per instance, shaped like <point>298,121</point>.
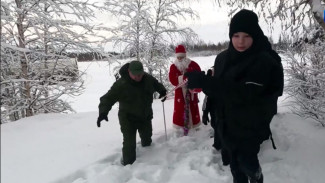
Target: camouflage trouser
<point>245,166</point>
<point>129,129</point>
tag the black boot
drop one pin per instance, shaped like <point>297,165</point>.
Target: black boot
<point>257,179</point>
<point>145,144</point>
<point>239,177</point>
<point>129,162</point>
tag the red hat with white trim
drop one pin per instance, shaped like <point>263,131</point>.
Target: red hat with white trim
<point>180,51</point>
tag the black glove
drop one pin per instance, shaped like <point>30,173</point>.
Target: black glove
<point>195,79</point>
<point>100,118</point>
<point>209,73</point>
<point>205,119</point>
<point>162,95</point>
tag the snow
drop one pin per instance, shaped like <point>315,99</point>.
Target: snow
<point>70,148</point>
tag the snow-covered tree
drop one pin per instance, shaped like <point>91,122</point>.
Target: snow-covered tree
<point>306,75</point>
<point>36,36</point>
<point>146,28</point>
<point>295,15</point>
<point>163,30</point>
<point>130,29</point>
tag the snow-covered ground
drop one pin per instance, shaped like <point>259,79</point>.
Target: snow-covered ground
<point>69,148</point>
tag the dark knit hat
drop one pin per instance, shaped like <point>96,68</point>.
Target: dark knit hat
<point>136,67</point>
<point>245,21</point>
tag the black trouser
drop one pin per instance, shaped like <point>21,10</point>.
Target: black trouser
<point>244,164</point>
<point>129,129</point>
<point>214,124</point>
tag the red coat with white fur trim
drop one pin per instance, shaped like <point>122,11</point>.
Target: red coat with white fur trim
<point>176,77</point>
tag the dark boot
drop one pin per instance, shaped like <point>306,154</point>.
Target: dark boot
<point>239,177</point>
<point>258,179</point>
<point>127,160</point>
<point>146,143</point>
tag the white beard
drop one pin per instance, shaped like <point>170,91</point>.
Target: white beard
<point>183,64</point>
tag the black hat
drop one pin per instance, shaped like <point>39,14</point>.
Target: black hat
<point>245,21</point>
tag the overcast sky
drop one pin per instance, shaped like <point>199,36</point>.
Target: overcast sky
<point>213,25</point>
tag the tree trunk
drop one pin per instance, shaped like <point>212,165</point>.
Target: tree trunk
<point>26,92</point>
<point>46,73</point>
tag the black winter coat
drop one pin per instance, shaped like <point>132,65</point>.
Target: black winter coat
<point>245,91</point>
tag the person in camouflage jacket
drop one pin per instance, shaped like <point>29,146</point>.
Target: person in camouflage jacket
<point>134,92</point>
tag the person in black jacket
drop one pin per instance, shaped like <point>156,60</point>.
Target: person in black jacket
<point>247,82</point>
<point>208,107</point>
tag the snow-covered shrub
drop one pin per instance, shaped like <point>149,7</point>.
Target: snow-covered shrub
<point>305,67</point>
<point>47,81</point>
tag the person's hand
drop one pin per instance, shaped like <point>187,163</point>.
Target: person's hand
<point>163,96</point>
<point>209,73</point>
<point>100,118</point>
<point>205,119</point>
<point>183,83</point>
<point>195,79</point>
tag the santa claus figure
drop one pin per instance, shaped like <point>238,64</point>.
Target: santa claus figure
<point>186,111</point>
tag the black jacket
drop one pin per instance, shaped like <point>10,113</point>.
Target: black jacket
<point>246,89</point>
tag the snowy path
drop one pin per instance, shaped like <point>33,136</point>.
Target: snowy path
<point>191,158</point>
<point>60,148</point>
<point>188,158</point>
